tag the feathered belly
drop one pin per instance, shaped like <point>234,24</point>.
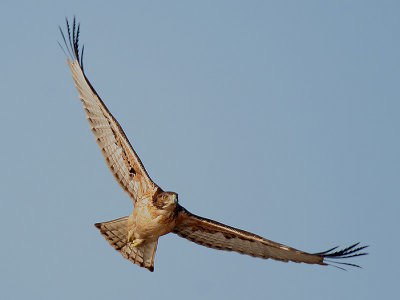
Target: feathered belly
<point>148,223</point>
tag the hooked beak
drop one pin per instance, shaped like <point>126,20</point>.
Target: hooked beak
<point>173,200</point>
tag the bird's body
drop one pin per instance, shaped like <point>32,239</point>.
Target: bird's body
<point>156,212</point>
<point>149,221</point>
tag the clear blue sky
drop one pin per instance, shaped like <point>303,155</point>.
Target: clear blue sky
<point>280,118</point>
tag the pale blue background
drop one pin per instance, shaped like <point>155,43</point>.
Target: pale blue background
<point>281,118</point>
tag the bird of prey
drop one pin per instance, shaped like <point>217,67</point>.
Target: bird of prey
<point>157,212</point>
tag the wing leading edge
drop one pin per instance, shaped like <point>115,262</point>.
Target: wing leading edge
<point>219,236</point>
<point>118,153</point>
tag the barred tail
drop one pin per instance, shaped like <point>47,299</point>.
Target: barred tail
<point>115,232</point>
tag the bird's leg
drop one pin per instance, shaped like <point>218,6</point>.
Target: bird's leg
<point>131,236</point>
<point>134,242</point>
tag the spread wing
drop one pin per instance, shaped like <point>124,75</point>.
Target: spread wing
<point>218,236</point>
<point>118,153</point>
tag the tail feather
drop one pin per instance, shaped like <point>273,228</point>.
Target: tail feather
<point>115,232</point>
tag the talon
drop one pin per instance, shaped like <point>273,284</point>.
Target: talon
<point>135,243</point>
<point>131,236</point>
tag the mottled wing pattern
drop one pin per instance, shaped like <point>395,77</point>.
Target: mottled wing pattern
<point>118,153</point>
<point>218,236</point>
<point>115,232</point>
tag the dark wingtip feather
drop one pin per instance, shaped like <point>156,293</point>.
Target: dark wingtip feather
<point>72,41</point>
<point>83,47</point>
<point>348,252</point>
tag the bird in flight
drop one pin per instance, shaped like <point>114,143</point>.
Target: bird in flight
<point>157,212</point>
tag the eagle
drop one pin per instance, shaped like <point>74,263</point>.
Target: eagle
<point>157,212</point>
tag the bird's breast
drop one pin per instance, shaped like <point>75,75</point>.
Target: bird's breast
<point>149,222</point>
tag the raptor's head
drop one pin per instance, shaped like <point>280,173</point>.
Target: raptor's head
<point>166,200</point>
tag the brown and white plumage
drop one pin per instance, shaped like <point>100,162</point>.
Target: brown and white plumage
<point>157,212</point>
<point>212,234</point>
<point>115,233</point>
<point>118,153</point>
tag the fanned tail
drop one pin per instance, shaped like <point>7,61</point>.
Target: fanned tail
<point>115,232</point>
